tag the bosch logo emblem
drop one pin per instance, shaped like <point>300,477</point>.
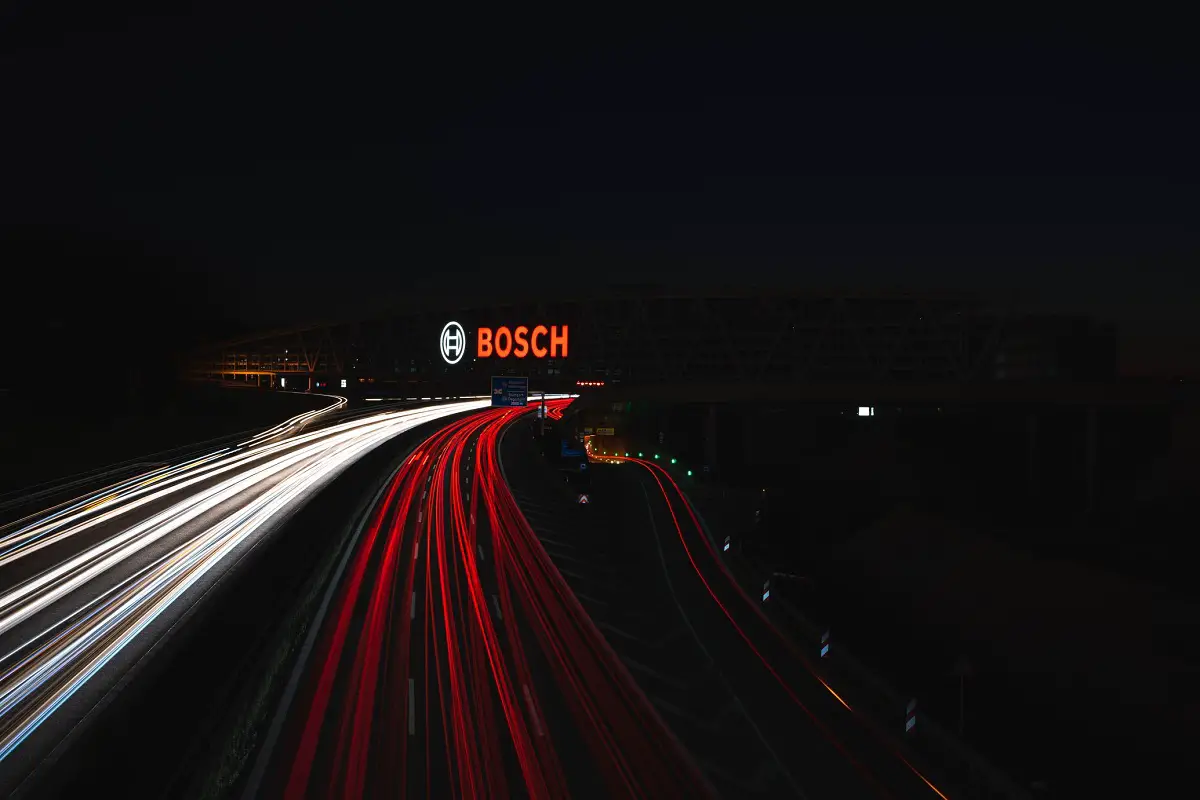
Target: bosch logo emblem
<point>453,342</point>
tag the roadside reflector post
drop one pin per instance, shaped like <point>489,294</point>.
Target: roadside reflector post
<point>766,591</point>
<point>825,644</point>
<point>910,717</point>
<point>726,548</point>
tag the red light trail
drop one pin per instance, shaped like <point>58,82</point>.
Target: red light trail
<point>419,686</point>
<point>738,603</point>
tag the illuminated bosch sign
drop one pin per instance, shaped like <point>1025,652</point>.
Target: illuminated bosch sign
<point>521,341</point>
<point>452,342</point>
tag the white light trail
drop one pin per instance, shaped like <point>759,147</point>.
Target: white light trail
<point>299,419</point>
<point>245,487</point>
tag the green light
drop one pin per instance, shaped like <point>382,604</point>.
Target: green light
<point>627,455</point>
<point>672,461</point>
<point>656,455</point>
<point>689,473</point>
<point>639,455</point>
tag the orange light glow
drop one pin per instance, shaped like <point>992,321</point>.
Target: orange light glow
<point>520,342</point>
<point>505,336</point>
<point>520,345</point>
<point>540,330</point>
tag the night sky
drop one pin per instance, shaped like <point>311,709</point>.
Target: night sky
<point>208,169</point>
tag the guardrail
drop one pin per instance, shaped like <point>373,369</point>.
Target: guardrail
<point>115,473</point>
<point>18,497</point>
<point>83,481</point>
<point>98,480</point>
<point>950,758</point>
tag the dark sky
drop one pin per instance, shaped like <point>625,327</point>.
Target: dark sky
<point>254,164</point>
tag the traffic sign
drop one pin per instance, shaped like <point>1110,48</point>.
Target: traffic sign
<point>606,431</point>
<point>583,500</point>
<point>509,392</point>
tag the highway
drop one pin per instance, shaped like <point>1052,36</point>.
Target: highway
<point>452,659</point>
<point>89,587</point>
<point>753,709</point>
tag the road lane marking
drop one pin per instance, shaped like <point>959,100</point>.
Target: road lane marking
<point>604,626</point>
<point>637,666</point>
<point>709,727</point>
<point>496,603</point>
<point>556,543</point>
<point>480,548</point>
<point>293,684</point>
<point>412,609</point>
<point>537,723</point>
<point>412,707</point>
<point>787,775</point>
<point>576,575</point>
<point>574,560</point>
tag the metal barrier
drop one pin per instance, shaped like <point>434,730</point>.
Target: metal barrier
<point>945,754</point>
<point>83,481</point>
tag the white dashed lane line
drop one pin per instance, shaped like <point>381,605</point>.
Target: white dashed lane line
<point>589,599</point>
<point>554,542</point>
<point>412,707</point>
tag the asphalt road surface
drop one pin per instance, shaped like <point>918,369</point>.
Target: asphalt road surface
<point>88,588</point>
<point>751,708</point>
<point>452,660</point>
